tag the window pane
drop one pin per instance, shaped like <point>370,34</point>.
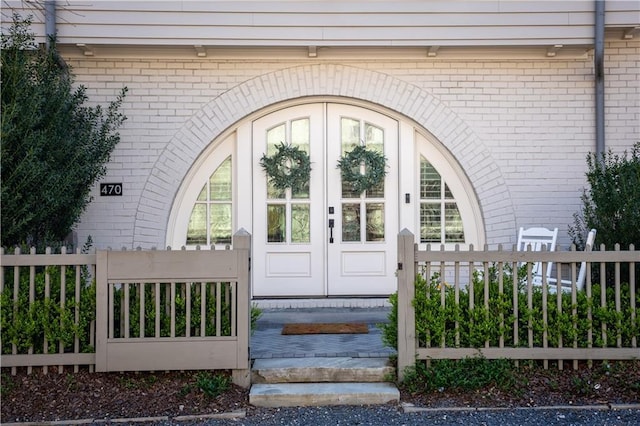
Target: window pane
<point>300,134</point>
<point>203,193</point>
<point>276,223</point>
<point>447,192</point>
<point>220,182</point>
<point>351,222</point>
<point>220,223</point>
<point>430,224</point>
<point>275,135</point>
<point>454,232</point>
<point>302,193</point>
<point>300,223</point>
<point>375,222</point>
<point>374,138</point>
<point>429,181</point>
<point>197,230</point>
<point>377,191</point>
<point>347,192</point>
<point>350,134</point>
<point>274,193</point>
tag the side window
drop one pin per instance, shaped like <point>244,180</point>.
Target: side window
<point>211,216</point>
<point>440,219</point>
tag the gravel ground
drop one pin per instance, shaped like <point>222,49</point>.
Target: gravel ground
<point>392,415</point>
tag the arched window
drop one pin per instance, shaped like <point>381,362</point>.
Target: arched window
<point>440,220</point>
<point>211,218</point>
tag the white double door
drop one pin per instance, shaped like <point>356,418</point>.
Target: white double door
<point>324,240</point>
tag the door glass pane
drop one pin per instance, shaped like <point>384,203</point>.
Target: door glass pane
<point>377,191</point>
<point>351,222</point>
<point>197,230</point>
<point>275,136</point>
<point>430,223</point>
<point>302,193</point>
<point>374,138</point>
<point>347,192</point>
<point>375,222</point>
<point>454,232</point>
<point>220,182</point>
<point>300,134</point>
<point>300,223</point>
<point>350,134</point>
<point>275,193</point>
<point>220,223</point>
<point>276,223</point>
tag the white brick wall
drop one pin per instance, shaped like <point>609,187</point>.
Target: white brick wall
<point>520,129</point>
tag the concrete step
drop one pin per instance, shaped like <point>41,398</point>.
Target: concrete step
<point>322,394</point>
<point>314,370</point>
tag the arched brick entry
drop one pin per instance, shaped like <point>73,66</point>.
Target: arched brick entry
<point>322,80</point>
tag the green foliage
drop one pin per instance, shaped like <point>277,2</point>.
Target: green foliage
<point>54,147</point>
<point>464,374</point>
<point>289,167</point>
<point>212,304</point>
<point>454,324</point>
<point>27,325</point>
<point>6,385</point>
<point>611,205</point>
<point>211,384</point>
<point>375,169</point>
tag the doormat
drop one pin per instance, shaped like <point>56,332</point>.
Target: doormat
<point>325,328</point>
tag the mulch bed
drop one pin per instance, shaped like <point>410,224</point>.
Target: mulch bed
<point>325,328</point>
<point>84,395</point>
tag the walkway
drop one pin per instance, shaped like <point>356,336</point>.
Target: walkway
<point>268,342</point>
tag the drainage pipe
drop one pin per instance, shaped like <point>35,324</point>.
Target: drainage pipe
<point>598,65</point>
<point>49,21</point>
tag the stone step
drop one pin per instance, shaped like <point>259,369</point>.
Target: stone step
<point>319,369</point>
<point>322,394</point>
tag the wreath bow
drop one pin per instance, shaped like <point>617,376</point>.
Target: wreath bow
<point>375,168</point>
<point>288,167</point>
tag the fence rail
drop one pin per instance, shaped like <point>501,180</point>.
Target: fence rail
<point>148,310</point>
<point>457,304</point>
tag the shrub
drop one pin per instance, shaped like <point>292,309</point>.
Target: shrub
<point>456,325</point>
<point>54,147</point>
<point>611,205</point>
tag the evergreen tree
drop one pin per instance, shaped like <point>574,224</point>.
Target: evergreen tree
<point>54,147</point>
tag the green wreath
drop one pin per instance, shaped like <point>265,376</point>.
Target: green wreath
<point>375,166</point>
<point>289,167</point>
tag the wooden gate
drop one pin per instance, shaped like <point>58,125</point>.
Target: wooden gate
<point>174,310</point>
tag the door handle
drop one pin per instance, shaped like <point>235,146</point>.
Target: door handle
<point>331,225</point>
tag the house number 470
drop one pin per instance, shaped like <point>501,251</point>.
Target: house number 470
<point>110,189</point>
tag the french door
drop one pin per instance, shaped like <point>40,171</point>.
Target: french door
<point>324,239</point>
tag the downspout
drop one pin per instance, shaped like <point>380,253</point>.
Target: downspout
<point>598,64</point>
<point>49,21</point>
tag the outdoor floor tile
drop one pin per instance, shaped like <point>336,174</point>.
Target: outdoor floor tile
<point>267,340</point>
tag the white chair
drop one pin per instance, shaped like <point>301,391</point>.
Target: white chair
<point>582,273</point>
<point>535,239</point>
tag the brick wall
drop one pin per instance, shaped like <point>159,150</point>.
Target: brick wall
<point>520,129</point>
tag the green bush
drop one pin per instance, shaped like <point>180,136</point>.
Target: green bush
<point>27,324</point>
<point>53,146</point>
<point>463,375</point>
<point>457,325</point>
<point>611,205</point>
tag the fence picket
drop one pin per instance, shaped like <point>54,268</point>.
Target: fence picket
<point>555,328</point>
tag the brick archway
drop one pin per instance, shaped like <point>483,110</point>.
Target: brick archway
<point>321,80</point>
